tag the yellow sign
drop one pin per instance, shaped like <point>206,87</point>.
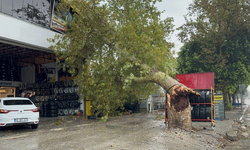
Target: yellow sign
<point>218,97</point>
<point>53,79</point>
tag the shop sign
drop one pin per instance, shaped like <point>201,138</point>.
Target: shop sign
<point>10,83</point>
<point>219,107</point>
<point>218,97</point>
<point>60,24</point>
<point>5,83</point>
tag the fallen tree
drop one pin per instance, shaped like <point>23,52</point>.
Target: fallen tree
<point>120,49</point>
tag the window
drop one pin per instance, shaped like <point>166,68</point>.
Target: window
<point>7,6</point>
<point>27,10</point>
<point>17,9</point>
<point>0,5</point>
<point>46,11</point>
<point>35,11</point>
<point>17,102</point>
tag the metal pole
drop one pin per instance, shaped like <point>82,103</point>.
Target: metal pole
<point>241,99</point>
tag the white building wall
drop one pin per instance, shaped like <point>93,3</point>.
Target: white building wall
<point>25,32</point>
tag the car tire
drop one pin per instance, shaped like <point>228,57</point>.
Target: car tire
<point>53,107</point>
<point>54,111</point>
<point>34,126</point>
<point>91,117</point>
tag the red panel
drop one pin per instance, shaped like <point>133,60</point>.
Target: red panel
<point>197,81</point>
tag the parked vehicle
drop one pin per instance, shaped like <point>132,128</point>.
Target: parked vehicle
<point>18,111</point>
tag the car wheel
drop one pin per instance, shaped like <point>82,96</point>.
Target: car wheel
<point>34,126</point>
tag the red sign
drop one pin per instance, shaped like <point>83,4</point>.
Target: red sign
<point>197,81</point>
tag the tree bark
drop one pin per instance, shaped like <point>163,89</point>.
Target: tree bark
<point>178,105</point>
<point>179,112</point>
<point>234,97</point>
<point>225,95</point>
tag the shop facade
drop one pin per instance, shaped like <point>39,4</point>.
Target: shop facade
<point>27,64</point>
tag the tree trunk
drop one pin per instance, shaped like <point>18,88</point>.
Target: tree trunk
<point>234,97</point>
<point>179,109</point>
<point>178,105</point>
<point>226,98</point>
<point>230,98</point>
<point>179,112</point>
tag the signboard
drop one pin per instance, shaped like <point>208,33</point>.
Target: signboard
<point>57,23</point>
<point>9,83</point>
<point>242,87</point>
<point>197,81</point>
<point>219,107</point>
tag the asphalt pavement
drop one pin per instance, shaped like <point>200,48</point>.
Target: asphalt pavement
<point>136,131</point>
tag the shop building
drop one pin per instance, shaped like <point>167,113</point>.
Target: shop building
<point>26,62</point>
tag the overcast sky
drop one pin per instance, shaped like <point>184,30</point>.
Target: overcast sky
<point>176,9</point>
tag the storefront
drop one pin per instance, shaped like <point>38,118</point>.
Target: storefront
<point>27,70</point>
<point>27,65</point>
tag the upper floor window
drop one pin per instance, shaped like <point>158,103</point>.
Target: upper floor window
<point>34,11</point>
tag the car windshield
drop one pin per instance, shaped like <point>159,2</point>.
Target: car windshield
<point>17,102</point>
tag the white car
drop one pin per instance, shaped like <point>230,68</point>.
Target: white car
<point>18,111</point>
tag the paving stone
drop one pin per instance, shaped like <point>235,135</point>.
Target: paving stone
<point>247,124</point>
<point>232,135</point>
<point>243,135</point>
<point>242,128</point>
<point>235,126</point>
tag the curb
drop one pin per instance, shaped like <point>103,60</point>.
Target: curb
<point>243,114</point>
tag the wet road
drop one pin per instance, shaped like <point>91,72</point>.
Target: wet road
<point>140,131</point>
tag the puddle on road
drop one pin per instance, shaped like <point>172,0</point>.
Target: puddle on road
<point>134,122</point>
<point>113,127</point>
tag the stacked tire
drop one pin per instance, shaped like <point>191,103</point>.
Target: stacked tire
<point>9,71</point>
<point>45,110</point>
<point>52,108</point>
<point>205,97</point>
<point>14,73</point>
<point>136,108</point>
<point>201,112</point>
<point>58,98</point>
<point>3,70</point>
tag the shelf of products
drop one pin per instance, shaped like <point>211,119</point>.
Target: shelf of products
<point>55,98</point>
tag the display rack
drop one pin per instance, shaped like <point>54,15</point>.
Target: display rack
<point>55,98</point>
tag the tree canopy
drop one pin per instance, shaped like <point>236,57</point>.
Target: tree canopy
<point>115,45</point>
<point>216,39</point>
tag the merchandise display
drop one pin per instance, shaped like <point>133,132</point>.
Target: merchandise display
<point>55,98</point>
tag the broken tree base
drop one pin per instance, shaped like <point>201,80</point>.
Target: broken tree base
<point>179,109</point>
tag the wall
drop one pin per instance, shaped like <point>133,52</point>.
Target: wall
<point>24,32</point>
<point>28,74</point>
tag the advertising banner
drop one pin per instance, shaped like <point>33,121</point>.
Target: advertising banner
<point>60,24</point>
